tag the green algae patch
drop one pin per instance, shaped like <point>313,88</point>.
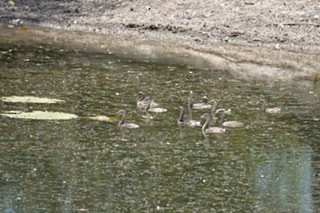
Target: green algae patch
<point>39,115</point>
<point>30,99</point>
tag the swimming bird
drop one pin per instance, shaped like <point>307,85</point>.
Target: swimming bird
<point>199,106</point>
<point>211,103</point>
<point>123,124</point>
<point>214,110</point>
<point>232,124</point>
<point>154,109</point>
<point>182,121</point>
<point>143,101</point>
<point>203,105</point>
<point>207,129</point>
<point>264,108</point>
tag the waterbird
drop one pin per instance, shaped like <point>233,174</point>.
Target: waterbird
<point>203,105</point>
<point>123,124</point>
<point>154,109</point>
<point>182,121</point>
<point>207,129</point>
<point>143,101</point>
<point>214,105</point>
<point>232,124</point>
<point>271,110</point>
<point>199,106</point>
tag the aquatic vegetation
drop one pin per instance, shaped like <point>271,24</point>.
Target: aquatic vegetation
<point>30,99</point>
<point>39,115</point>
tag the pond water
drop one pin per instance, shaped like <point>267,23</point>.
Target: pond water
<point>81,165</point>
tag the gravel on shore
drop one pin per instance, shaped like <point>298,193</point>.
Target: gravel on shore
<point>264,36</point>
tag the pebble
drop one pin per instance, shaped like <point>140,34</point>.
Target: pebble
<point>10,3</point>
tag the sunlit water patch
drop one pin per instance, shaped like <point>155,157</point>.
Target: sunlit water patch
<point>91,165</point>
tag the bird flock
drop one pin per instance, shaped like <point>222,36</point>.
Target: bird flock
<point>215,116</point>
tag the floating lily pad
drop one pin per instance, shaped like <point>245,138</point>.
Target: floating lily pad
<point>30,99</point>
<point>109,119</point>
<point>39,115</point>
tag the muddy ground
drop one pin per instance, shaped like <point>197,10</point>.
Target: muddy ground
<point>231,29</point>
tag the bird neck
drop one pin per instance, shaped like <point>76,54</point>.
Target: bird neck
<point>148,105</point>
<point>263,106</point>
<point>190,103</point>
<point>206,123</point>
<point>181,115</point>
<point>213,107</point>
<point>122,120</point>
<point>222,118</point>
<point>141,97</point>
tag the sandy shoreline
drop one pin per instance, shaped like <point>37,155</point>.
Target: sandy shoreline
<point>248,38</point>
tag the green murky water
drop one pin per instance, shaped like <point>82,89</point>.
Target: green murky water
<point>80,165</point>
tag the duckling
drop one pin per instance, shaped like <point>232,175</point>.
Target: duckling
<point>207,129</point>
<point>182,121</point>
<point>266,109</point>
<point>212,103</point>
<point>232,124</point>
<point>155,109</point>
<point>199,106</point>
<point>214,109</point>
<point>143,101</point>
<point>123,124</point>
<point>203,105</point>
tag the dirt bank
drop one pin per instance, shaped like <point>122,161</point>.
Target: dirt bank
<point>273,38</point>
